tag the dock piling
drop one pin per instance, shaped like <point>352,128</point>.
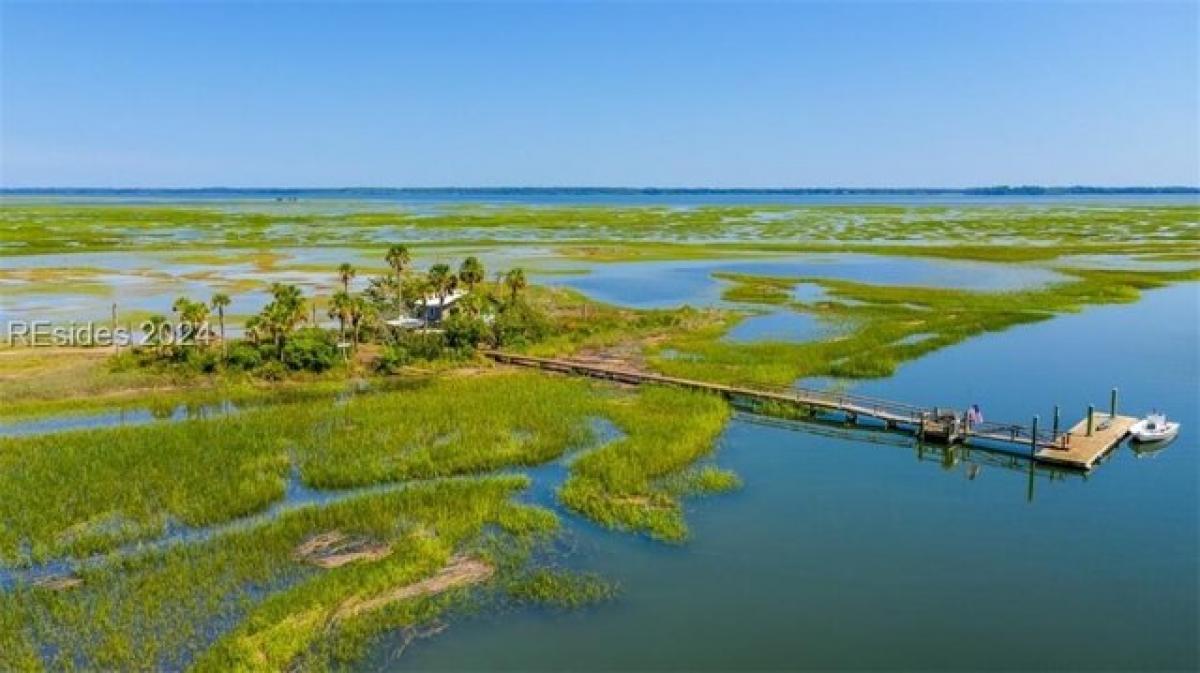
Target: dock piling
<point>1091,420</point>
<point>1033,437</point>
<point>1112,404</point>
<point>1054,434</point>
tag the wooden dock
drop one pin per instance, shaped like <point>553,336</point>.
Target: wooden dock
<point>1076,448</point>
<point>1083,450</point>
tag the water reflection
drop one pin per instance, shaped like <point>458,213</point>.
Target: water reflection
<point>160,411</point>
<point>971,461</point>
<point>778,326</point>
<point>672,283</point>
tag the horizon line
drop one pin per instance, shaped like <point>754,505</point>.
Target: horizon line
<point>979,189</point>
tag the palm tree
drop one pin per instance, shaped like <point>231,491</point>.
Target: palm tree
<point>192,316</point>
<point>284,313</point>
<point>196,316</point>
<point>515,280</point>
<point>439,280</point>
<point>416,288</point>
<point>253,328</point>
<point>220,301</point>
<point>361,312</point>
<point>473,304</point>
<point>157,322</point>
<point>340,306</point>
<point>398,258</point>
<point>179,307</point>
<point>471,272</point>
<point>382,292</point>
<point>346,273</point>
<point>289,296</point>
<point>442,283</point>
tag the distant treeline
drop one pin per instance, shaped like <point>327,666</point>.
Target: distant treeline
<point>1035,190</point>
<point>391,192</point>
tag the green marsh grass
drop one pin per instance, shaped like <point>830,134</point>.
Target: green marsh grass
<point>163,395</point>
<point>598,232</point>
<point>560,588</point>
<point>453,425</point>
<point>881,326</point>
<point>76,493</point>
<point>620,484</point>
<point>582,324</point>
<point>36,382</point>
<point>83,492</point>
<point>483,423</point>
<point>31,378</point>
<point>241,601</point>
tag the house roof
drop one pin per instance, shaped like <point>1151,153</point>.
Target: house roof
<point>434,300</point>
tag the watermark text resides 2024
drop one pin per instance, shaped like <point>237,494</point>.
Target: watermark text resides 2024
<point>45,333</point>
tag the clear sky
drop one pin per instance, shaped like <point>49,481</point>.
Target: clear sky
<point>629,94</point>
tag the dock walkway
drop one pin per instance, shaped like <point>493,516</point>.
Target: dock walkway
<point>1074,448</point>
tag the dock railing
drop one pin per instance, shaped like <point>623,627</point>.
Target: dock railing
<point>854,405</point>
<point>1020,434</point>
<point>850,402</point>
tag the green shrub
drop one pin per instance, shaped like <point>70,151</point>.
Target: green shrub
<point>271,370</point>
<point>207,362</point>
<point>392,359</point>
<point>519,323</point>
<point>311,350</point>
<point>244,356</point>
<point>182,354</point>
<point>128,360</point>
<point>423,345</point>
<point>412,347</point>
<point>465,331</point>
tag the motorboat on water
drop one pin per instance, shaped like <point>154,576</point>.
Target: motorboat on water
<point>1154,428</point>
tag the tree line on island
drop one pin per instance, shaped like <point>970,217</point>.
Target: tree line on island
<point>409,316</point>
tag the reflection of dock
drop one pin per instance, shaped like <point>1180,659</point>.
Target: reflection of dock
<point>947,456</point>
<point>1080,448</point>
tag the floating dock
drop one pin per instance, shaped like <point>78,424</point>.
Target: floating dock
<point>1083,450</point>
<point>1081,447</point>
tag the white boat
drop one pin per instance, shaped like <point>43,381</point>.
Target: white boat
<point>1154,428</point>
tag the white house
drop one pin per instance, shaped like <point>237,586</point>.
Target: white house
<point>430,310</point>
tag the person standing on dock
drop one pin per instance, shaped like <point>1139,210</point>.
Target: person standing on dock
<point>974,416</point>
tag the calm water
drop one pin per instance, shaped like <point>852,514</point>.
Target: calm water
<point>778,326</point>
<point>844,551</point>
<point>675,282</point>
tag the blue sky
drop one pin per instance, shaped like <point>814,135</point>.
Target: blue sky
<point>630,94</point>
